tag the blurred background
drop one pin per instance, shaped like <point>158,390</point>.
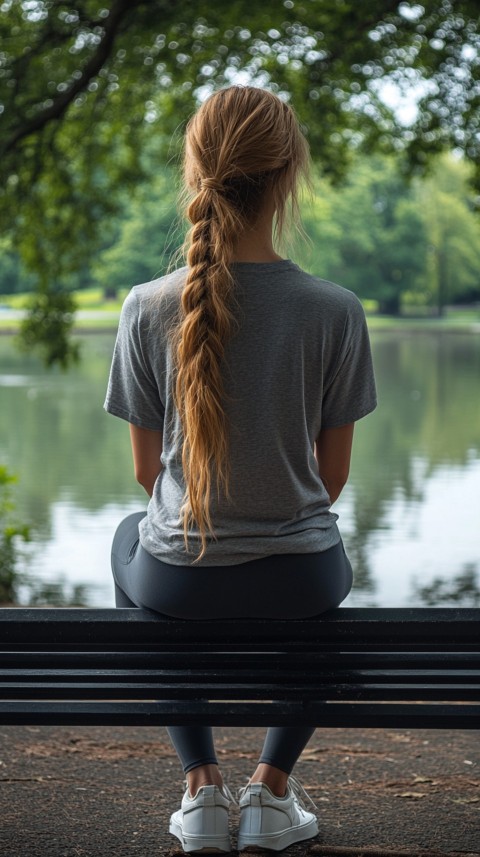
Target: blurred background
<point>94,98</point>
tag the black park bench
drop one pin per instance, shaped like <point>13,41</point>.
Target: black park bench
<point>394,668</point>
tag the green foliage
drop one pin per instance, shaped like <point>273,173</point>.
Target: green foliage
<point>14,277</point>
<point>377,234</point>
<point>134,67</point>
<point>373,234</point>
<point>148,235</point>
<point>397,242</point>
<point>453,233</point>
<point>86,89</point>
<point>47,328</point>
<point>10,532</point>
<point>377,231</point>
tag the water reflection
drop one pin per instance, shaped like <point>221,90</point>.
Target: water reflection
<point>463,589</point>
<point>409,516</point>
<point>430,533</point>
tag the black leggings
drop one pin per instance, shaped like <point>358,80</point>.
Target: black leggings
<point>283,586</point>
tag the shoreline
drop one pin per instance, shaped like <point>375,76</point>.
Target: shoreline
<point>76,331</point>
<point>402,326</point>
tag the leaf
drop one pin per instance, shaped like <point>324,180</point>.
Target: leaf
<point>466,800</point>
<point>411,795</point>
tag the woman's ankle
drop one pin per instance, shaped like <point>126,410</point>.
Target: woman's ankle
<point>203,775</point>
<point>274,778</point>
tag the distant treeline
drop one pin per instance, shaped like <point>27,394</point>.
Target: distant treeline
<point>393,242</point>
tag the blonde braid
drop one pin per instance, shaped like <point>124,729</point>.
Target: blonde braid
<point>199,391</point>
<point>242,146</point>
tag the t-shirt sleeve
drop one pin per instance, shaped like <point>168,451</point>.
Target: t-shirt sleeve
<point>350,392</point>
<point>132,392</point>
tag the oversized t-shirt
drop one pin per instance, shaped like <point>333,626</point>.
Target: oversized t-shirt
<point>299,361</point>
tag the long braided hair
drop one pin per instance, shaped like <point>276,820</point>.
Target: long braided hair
<point>243,146</point>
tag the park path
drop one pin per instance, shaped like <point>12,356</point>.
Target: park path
<point>91,792</point>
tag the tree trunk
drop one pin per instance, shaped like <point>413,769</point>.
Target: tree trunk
<point>442,286</point>
<point>390,306</point>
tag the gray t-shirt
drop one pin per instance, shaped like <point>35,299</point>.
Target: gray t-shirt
<point>300,361</point>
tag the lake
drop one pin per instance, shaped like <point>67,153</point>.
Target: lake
<point>409,516</point>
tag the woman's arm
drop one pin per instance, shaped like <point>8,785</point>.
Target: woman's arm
<point>333,449</point>
<point>147,449</point>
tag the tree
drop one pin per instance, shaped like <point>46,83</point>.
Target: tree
<point>10,532</point>
<point>86,86</point>
<point>453,233</point>
<point>375,233</point>
<point>147,236</point>
<point>13,275</point>
<point>391,240</point>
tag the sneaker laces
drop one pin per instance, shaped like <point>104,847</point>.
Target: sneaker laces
<point>301,795</point>
<point>227,793</point>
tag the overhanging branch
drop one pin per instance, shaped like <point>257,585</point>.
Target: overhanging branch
<point>118,11</point>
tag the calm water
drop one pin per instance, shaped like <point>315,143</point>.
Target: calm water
<point>410,515</point>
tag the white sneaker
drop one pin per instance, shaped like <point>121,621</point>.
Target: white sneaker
<point>201,824</point>
<point>268,821</point>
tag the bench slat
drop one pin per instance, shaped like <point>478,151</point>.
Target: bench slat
<point>359,626</point>
<point>279,661</point>
<point>229,674</point>
<point>336,715</point>
<point>364,691</point>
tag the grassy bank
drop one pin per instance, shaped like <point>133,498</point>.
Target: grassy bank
<point>94,312</point>
<point>86,299</point>
<point>97,314</point>
<point>453,320</point>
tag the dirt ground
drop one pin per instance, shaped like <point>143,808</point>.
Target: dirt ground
<point>91,792</point>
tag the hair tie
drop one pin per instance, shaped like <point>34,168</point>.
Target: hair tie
<point>211,183</point>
